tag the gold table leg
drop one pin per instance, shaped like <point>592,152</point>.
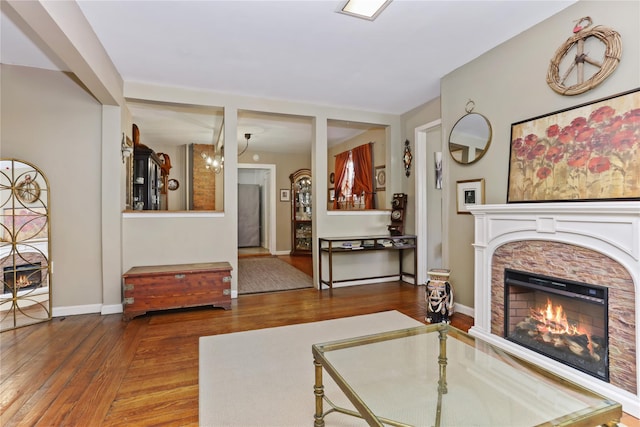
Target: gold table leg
<point>318,390</point>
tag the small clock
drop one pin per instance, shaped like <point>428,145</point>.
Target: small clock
<point>173,184</point>
<point>398,205</point>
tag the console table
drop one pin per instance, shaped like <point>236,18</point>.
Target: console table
<point>360,244</point>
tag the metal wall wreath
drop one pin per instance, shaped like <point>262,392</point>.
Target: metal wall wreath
<point>613,47</point>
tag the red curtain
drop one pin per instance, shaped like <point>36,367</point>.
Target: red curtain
<point>363,167</point>
<point>341,175</point>
<point>363,174</point>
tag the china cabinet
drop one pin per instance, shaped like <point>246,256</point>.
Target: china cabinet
<point>147,179</point>
<point>301,236</point>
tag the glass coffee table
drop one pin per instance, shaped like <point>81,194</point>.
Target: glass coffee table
<point>437,375</point>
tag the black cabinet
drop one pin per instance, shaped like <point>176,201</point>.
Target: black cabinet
<point>147,179</point>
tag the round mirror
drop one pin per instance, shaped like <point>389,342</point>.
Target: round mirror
<point>470,138</point>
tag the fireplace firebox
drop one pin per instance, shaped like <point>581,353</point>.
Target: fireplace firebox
<point>23,277</point>
<point>561,319</point>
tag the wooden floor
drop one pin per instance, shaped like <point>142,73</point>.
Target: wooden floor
<point>92,370</point>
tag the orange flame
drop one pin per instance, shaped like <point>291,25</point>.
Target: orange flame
<point>553,319</point>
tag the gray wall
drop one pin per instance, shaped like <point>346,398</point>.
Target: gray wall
<point>50,121</point>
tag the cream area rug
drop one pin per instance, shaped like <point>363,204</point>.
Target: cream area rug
<point>268,274</point>
<point>265,378</point>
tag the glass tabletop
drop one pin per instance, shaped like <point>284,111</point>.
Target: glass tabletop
<point>437,375</point>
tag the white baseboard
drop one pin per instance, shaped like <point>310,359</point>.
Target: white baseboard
<point>111,309</point>
<point>282,253</point>
<point>74,310</point>
<point>463,309</point>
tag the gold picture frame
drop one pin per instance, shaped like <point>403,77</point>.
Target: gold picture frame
<point>587,152</point>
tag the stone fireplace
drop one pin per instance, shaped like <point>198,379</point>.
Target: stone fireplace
<point>592,244</point>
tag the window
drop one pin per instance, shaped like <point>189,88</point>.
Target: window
<point>354,184</point>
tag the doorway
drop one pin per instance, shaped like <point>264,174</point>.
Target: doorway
<point>429,198</point>
<point>261,176</point>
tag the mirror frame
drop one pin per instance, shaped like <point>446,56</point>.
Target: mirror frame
<point>487,143</point>
<point>25,243</point>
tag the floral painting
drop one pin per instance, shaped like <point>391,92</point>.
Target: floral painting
<point>589,152</point>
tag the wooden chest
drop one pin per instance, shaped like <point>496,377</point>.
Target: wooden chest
<point>176,286</point>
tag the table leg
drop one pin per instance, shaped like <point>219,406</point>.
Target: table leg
<point>331,265</point>
<point>442,361</point>
<point>318,390</point>
<point>415,261</point>
<point>320,264</point>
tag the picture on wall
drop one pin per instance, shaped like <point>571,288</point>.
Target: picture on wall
<point>588,152</point>
<point>469,192</point>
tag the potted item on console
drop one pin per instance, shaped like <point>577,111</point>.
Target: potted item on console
<point>398,205</point>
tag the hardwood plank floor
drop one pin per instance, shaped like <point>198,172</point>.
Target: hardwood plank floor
<point>93,370</point>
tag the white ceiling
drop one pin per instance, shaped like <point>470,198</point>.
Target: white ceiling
<point>301,51</point>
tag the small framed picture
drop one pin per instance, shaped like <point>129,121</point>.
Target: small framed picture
<point>381,178</point>
<point>332,194</point>
<point>469,192</point>
<point>285,195</point>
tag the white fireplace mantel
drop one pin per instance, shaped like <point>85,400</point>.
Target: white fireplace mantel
<point>610,228</point>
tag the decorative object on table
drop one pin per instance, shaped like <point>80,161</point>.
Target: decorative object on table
<point>398,205</point>
<point>468,193</point>
<point>588,152</point>
<point>332,194</point>
<point>439,296</point>
<point>570,58</point>
<point>381,178</point>
<point>407,157</point>
<point>437,157</point>
<point>470,137</point>
<point>284,195</point>
<point>173,184</point>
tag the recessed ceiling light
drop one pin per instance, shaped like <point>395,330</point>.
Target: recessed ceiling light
<point>365,9</point>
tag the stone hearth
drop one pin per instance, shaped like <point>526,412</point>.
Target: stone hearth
<point>596,243</point>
